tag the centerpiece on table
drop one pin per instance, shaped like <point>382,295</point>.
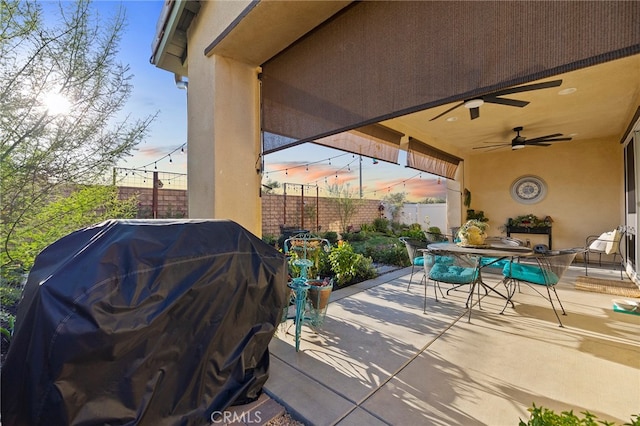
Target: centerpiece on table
<point>473,233</point>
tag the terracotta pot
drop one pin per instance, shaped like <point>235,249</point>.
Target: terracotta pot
<point>319,293</point>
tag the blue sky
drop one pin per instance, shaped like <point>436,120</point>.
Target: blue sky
<point>155,91</point>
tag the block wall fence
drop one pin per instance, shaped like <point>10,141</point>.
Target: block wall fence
<point>277,210</point>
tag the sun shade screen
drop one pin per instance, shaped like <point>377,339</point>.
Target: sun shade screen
<point>376,60</point>
<point>272,142</point>
<point>431,160</point>
<point>375,141</point>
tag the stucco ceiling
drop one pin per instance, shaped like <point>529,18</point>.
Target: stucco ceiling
<point>606,98</point>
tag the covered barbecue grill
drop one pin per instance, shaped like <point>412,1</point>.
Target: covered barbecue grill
<point>144,322</point>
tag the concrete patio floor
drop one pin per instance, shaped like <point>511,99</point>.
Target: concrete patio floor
<point>378,359</point>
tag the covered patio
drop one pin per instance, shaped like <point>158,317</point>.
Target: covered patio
<point>379,359</point>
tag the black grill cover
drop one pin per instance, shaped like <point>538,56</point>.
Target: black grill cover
<point>144,322</point>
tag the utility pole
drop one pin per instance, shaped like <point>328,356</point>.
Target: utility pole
<point>360,176</point>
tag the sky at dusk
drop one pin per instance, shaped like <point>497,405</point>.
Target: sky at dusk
<point>166,145</point>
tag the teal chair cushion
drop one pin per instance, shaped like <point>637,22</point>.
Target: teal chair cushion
<point>529,273</point>
<point>418,261</point>
<point>484,261</point>
<point>452,274</point>
<point>444,260</point>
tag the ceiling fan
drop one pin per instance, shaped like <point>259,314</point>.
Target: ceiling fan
<point>474,104</point>
<point>520,142</point>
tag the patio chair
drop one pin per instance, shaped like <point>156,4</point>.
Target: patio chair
<point>607,243</point>
<point>416,258</point>
<point>430,260</point>
<point>458,269</point>
<point>543,269</point>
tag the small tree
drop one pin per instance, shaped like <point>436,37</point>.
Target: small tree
<point>395,202</point>
<point>44,152</point>
<point>345,204</point>
<point>270,187</point>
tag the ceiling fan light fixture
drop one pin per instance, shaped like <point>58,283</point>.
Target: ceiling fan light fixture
<point>473,103</point>
<point>518,146</point>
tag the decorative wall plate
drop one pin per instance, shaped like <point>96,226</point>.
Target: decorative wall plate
<point>528,189</point>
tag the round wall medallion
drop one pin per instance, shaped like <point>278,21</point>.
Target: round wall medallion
<point>528,189</point>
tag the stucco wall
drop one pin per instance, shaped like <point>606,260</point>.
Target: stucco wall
<point>584,188</point>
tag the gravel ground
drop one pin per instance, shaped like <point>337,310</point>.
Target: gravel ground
<point>284,420</point>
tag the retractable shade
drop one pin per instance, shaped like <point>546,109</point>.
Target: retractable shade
<point>375,141</point>
<point>431,160</point>
<point>374,61</point>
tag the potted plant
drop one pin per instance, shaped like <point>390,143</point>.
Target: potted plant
<point>473,232</point>
<point>319,292</point>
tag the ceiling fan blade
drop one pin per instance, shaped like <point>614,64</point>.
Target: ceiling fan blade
<point>447,111</point>
<point>556,140</point>
<point>491,146</point>
<point>527,88</point>
<point>540,138</point>
<point>474,112</point>
<point>505,101</point>
<point>537,144</point>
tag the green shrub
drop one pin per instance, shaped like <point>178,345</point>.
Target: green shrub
<point>415,234</point>
<point>367,227</point>
<point>381,224</point>
<point>354,236</point>
<point>389,254</point>
<point>363,268</point>
<point>9,295</point>
<point>272,240</point>
<point>398,227</point>
<point>541,416</point>
<point>331,236</point>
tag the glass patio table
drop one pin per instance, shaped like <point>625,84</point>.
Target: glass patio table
<point>497,252</point>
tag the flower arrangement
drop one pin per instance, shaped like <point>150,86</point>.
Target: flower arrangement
<point>529,221</point>
<point>473,232</point>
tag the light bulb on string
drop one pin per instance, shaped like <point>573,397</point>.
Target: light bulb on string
<point>307,168</point>
<point>155,165</point>
<point>286,172</point>
<point>170,159</point>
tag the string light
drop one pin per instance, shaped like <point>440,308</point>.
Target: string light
<point>155,162</point>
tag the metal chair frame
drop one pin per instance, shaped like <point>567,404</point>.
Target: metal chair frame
<point>552,265</point>
<point>618,251</point>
